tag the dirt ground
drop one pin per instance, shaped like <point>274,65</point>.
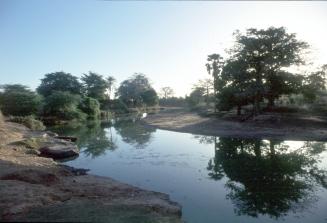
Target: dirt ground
<point>34,188</point>
<point>268,126</point>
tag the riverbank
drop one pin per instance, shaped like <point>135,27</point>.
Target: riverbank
<point>268,126</point>
<point>34,188</point>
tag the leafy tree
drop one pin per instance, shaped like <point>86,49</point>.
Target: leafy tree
<point>167,92</point>
<point>314,83</point>
<point>263,56</point>
<point>19,100</point>
<point>63,106</point>
<point>196,96</point>
<point>59,81</point>
<point>150,97</point>
<point>95,85</point>
<point>137,91</point>
<point>91,107</point>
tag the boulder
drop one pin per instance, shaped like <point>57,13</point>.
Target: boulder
<point>59,151</point>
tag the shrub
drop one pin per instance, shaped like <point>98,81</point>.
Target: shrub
<point>63,106</point>
<point>91,107</point>
<point>29,122</point>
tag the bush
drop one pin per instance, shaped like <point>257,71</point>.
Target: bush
<point>91,107</point>
<point>63,106</point>
<point>20,102</point>
<point>29,122</point>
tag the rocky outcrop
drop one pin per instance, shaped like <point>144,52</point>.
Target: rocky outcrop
<point>37,189</point>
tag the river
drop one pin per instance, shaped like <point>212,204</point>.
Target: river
<point>215,179</point>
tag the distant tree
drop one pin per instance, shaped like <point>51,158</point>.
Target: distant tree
<point>91,107</point>
<point>314,83</point>
<point>63,106</point>
<point>150,97</point>
<point>133,91</point>
<point>206,84</point>
<point>59,81</point>
<point>95,85</point>
<point>167,92</point>
<point>19,100</point>
<point>196,96</point>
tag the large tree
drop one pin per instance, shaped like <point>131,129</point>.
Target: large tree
<point>137,91</point>
<point>95,86</point>
<point>59,81</point>
<point>265,55</point>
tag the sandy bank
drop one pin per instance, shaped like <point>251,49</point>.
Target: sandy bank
<point>291,127</point>
<point>34,188</point>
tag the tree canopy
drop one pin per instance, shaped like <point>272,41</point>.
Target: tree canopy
<point>59,81</point>
<point>137,90</point>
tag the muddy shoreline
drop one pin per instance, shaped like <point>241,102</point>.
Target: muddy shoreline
<point>267,126</point>
<point>38,189</point>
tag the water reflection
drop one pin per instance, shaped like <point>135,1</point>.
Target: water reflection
<point>133,132</point>
<point>266,176</point>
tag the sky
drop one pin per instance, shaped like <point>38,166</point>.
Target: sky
<point>167,40</point>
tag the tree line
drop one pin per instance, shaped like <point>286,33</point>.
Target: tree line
<point>63,96</point>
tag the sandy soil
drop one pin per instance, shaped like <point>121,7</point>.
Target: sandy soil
<point>269,126</point>
<point>34,188</point>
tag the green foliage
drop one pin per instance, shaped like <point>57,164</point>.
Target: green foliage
<point>63,106</point>
<point>18,100</point>
<point>95,85</point>
<point>29,122</point>
<point>137,91</point>
<point>256,68</point>
<point>150,97</point>
<point>59,81</point>
<point>196,97</point>
<point>91,107</point>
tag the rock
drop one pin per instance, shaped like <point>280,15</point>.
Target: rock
<point>59,151</point>
<point>67,138</point>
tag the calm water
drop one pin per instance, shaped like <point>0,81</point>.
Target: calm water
<point>214,179</point>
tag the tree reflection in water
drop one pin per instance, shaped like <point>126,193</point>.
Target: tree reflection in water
<point>267,176</point>
<point>94,139</point>
<point>133,132</point>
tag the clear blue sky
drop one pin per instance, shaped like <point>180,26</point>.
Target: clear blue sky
<point>167,41</point>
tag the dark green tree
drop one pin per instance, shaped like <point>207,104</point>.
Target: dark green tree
<point>63,106</point>
<point>95,86</point>
<point>59,81</point>
<point>137,91</point>
<point>19,100</point>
